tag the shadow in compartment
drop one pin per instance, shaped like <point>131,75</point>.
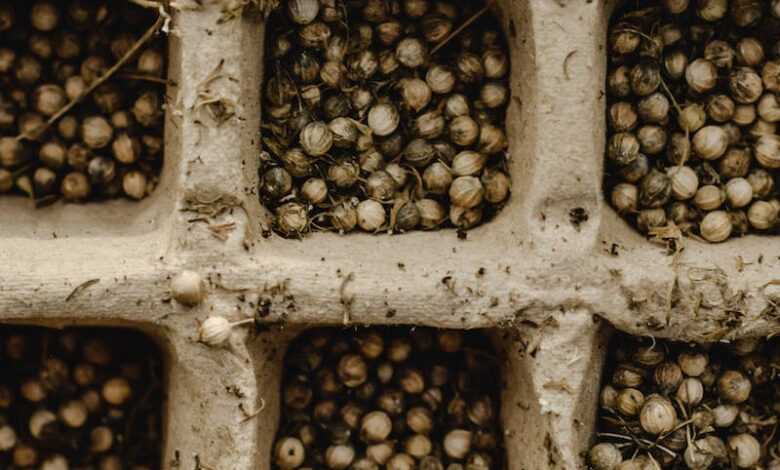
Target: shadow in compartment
<point>80,398</point>
<point>401,397</point>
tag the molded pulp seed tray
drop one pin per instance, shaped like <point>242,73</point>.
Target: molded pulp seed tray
<point>544,277</point>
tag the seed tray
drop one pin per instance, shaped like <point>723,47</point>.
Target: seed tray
<point>550,273</point>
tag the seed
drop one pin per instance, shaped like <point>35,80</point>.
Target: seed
<point>44,16</point>
<point>411,52</point>
<point>383,119</point>
<point>657,415</point>
<point>292,218</point>
<point>289,452</point>
<point>725,415</point>
<point>624,40</point>
<point>49,99</point>
<point>710,142</point>
<point>746,450</point>
<point>494,94</point>
<point>469,68</point>
<point>701,75</point>
<point>408,216</point>
<point>770,76</point>
<point>492,139</point>
<point>416,93</point>
<point>734,387</point>
<point>625,198</point>
<point>762,215</point>
<point>739,192</point>
<point>45,181</point>
<point>622,116</point>
<point>437,178</point>
<point>744,114</point>
<point>352,370</point>
<point>604,456</point>
<point>7,438</point>
<point>420,420</point>
<point>767,151</point>
<point>692,364</point>
<point>371,215</point>
<point>629,401</point>
<point>668,376</point>
<point>690,392</point>
<point>314,190</point>
<point>73,413</point>
<point>466,192</point>
<point>457,443</point>
<point>720,108</point>
<point>12,152</point>
<point>135,185</point>
<point>746,12</point>
<point>720,53</point>
<point>401,462</point>
<point>146,109</point>
<point>712,10</point>
<point>684,182</point>
<point>24,455</point>
<point>464,131</point>
<point>456,105</point>
<point>316,139</point>
<point>750,52</point>
<point>339,457</point>
<point>75,186</point>
<point>716,226</point>
<point>497,185</point>
<point>746,85</point>
<point>435,28</point>
<point>116,391</point>
<point>429,125</point>
<point>96,132</point>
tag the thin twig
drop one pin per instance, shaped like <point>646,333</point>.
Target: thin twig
<point>109,73</point>
<point>83,286</point>
<point>465,25</point>
<point>145,78</point>
<point>671,96</point>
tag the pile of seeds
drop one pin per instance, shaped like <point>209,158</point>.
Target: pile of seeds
<point>383,115</point>
<point>111,144</point>
<point>692,115</point>
<point>670,405</point>
<point>390,398</point>
<point>79,399</point>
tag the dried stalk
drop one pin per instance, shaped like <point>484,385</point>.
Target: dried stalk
<point>465,25</point>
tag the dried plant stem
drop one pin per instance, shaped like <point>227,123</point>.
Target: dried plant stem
<point>671,96</point>
<point>465,25</point>
<point>102,79</point>
<point>143,77</point>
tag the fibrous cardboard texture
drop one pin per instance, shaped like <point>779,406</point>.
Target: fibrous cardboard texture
<point>547,283</point>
